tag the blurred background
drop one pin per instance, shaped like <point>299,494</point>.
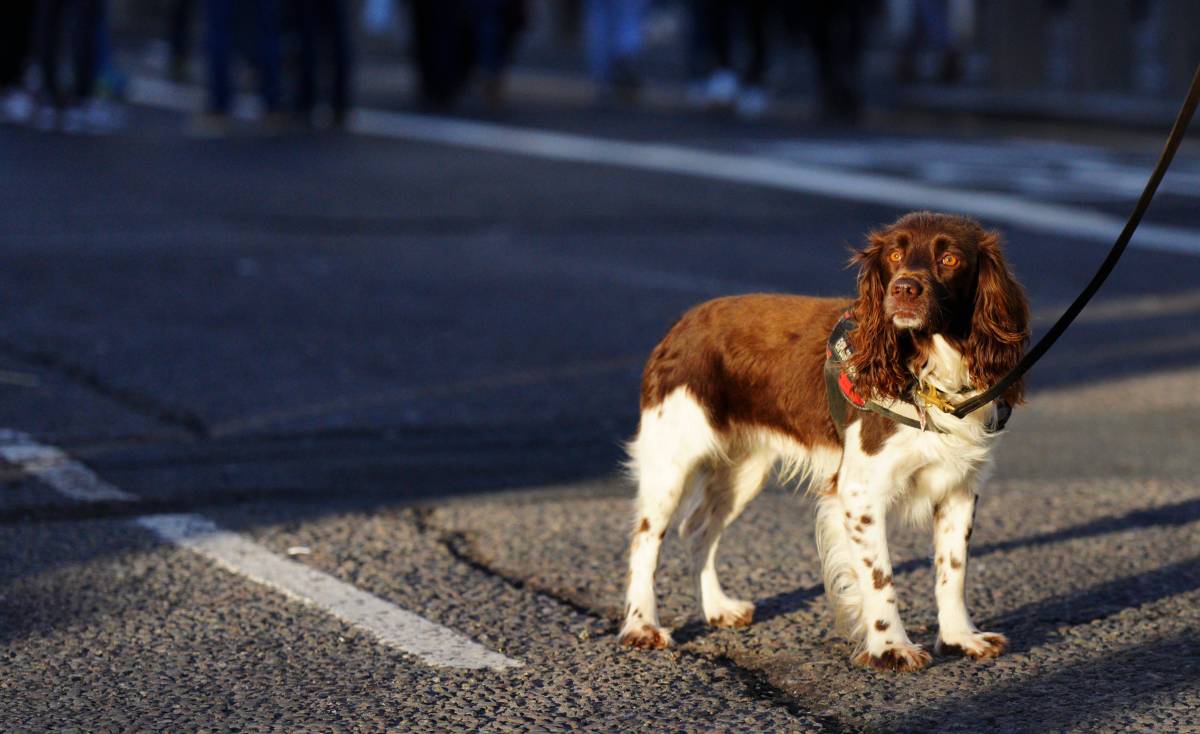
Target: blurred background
<point>1119,60</point>
<point>384,248</point>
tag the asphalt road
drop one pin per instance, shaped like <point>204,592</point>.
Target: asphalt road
<point>411,366</point>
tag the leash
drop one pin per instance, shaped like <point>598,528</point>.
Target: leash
<point>1033,355</point>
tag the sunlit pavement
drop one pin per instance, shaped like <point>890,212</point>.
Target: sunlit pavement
<point>410,366</point>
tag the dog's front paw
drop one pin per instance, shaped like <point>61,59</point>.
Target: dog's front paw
<point>902,658</point>
<point>975,645</point>
<point>645,637</point>
<point>733,613</point>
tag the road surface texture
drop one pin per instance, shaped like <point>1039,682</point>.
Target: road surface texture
<point>399,364</point>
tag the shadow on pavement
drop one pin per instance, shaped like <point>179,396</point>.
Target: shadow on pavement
<point>1094,689</point>
<point>1131,591</point>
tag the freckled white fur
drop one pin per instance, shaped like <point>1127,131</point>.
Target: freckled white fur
<point>678,459</point>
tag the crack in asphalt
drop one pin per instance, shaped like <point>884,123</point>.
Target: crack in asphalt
<point>756,683</point>
<point>146,405</point>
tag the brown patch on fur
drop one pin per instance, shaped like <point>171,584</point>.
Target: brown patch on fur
<point>876,430</point>
<point>753,360</point>
<point>858,528</point>
<point>868,562</point>
<point>937,561</point>
<point>880,579</point>
<point>881,625</point>
<point>663,534</point>
<point>646,637</point>
<point>865,520</point>
<point>890,600</point>
<point>733,621</point>
<point>955,563</point>
<point>942,648</point>
<point>857,539</point>
<point>903,660</point>
<point>644,525</point>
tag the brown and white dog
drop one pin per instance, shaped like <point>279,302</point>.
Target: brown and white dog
<point>736,388</point>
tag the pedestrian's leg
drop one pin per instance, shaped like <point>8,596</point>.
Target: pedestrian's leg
<point>627,28</point>
<point>268,53</point>
<point>218,25</point>
<point>16,29</point>
<point>179,35</point>
<point>50,26</point>
<point>598,25</point>
<point>341,53</point>
<point>306,80</point>
<point>88,20</point>
<point>755,16</point>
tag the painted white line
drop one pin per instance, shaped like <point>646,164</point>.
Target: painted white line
<point>822,180</point>
<point>1068,221</point>
<point>57,470</point>
<point>395,627</point>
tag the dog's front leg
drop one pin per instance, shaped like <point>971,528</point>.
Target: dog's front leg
<point>886,646</point>
<point>952,525</point>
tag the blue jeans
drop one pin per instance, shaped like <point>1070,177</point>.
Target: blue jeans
<point>218,37</point>
<point>613,32</point>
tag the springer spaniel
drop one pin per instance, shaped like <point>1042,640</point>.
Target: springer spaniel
<point>738,386</point>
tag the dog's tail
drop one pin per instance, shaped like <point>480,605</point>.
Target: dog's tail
<point>838,571</point>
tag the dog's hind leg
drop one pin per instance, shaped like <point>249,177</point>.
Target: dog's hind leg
<point>729,488</point>
<point>673,439</point>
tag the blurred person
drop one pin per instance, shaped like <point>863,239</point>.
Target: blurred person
<point>437,40</point>
<point>451,37</point>
<point>835,29</point>
<point>715,22</point>
<point>614,42</point>
<point>83,22</point>
<point>928,28</point>
<point>324,39</point>
<point>219,18</point>
<point>16,33</point>
<point>496,25</point>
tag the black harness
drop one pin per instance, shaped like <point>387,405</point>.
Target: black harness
<point>842,395</point>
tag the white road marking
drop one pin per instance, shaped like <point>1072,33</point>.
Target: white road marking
<point>57,470</point>
<point>391,625</point>
<point>395,627</point>
<point>1057,219</point>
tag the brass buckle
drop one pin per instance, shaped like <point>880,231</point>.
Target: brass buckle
<point>932,396</point>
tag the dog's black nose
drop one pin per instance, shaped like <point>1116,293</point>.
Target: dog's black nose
<point>906,287</point>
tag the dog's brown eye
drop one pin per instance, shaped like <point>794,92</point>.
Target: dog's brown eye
<point>895,256</point>
<point>949,260</point>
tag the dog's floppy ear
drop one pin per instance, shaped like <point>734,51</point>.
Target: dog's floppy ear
<point>876,356</point>
<point>999,323</point>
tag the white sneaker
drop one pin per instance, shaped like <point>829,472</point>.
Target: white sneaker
<point>752,103</point>
<point>17,107</point>
<point>722,88</point>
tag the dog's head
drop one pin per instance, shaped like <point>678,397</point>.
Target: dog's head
<point>929,274</point>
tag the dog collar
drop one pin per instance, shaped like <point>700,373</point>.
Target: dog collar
<point>840,390</point>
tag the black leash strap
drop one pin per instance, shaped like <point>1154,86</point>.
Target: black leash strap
<point>1047,341</point>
